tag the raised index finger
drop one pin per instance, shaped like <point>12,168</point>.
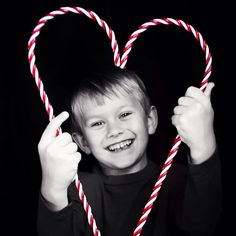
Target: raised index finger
<point>54,125</point>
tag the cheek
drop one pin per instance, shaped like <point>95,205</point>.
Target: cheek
<point>94,138</point>
<point>139,129</point>
<point>141,125</point>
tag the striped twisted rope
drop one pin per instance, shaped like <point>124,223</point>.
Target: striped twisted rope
<point>121,62</point>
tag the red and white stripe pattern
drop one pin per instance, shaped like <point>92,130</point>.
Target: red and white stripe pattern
<point>36,31</point>
<point>177,140</point>
<point>121,63</point>
<point>170,21</point>
<point>148,207</point>
<point>87,208</point>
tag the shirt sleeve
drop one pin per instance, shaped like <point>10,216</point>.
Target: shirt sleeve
<point>53,222</point>
<point>203,197</point>
<point>70,221</point>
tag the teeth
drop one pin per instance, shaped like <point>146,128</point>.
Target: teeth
<point>120,146</point>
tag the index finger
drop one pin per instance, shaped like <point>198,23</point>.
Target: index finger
<point>55,124</point>
<point>209,88</point>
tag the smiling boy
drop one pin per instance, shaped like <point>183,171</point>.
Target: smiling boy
<point>112,118</point>
<point>116,126</point>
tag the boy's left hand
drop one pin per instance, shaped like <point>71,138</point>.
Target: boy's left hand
<point>193,118</point>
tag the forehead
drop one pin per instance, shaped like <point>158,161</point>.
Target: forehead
<point>113,99</point>
<point>107,104</point>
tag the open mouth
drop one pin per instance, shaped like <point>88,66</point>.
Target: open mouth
<point>120,146</point>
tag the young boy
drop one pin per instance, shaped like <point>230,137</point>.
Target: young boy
<point>112,118</point>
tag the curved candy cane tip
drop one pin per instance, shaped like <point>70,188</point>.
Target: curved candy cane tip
<point>166,21</point>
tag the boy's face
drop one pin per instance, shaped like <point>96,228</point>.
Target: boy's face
<point>116,133</point>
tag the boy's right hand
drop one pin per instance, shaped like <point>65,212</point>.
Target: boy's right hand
<point>59,161</point>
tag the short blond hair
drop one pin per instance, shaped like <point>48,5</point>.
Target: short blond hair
<point>97,85</point>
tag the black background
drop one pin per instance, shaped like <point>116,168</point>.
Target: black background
<point>168,58</point>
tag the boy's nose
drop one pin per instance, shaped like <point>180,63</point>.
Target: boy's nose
<point>114,130</point>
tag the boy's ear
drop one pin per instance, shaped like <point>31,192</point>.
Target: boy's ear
<point>81,142</point>
<point>152,120</point>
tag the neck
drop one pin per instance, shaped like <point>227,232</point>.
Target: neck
<point>136,167</point>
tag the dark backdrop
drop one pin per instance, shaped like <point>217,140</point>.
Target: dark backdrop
<point>168,58</point>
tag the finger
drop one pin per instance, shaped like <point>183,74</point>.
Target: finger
<point>193,92</point>
<point>63,139</point>
<point>76,157</point>
<point>179,110</point>
<point>55,124</point>
<point>175,120</point>
<point>208,89</point>
<point>71,148</point>
<point>185,101</point>
<point>197,94</point>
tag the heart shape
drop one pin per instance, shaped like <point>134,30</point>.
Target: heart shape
<point>120,62</point>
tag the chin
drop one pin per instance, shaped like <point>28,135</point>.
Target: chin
<point>128,166</point>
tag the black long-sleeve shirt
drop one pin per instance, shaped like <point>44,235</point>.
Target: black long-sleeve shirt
<point>188,203</point>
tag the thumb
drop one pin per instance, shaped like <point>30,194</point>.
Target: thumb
<point>208,89</point>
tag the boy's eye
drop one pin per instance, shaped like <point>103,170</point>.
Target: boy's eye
<point>124,115</point>
<point>96,124</point>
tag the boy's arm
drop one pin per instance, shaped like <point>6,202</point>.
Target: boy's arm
<point>193,118</point>
<point>69,221</point>
<point>59,161</point>
<point>53,222</point>
<point>200,205</point>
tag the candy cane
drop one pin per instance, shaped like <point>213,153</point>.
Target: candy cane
<point>177,140</point>
<point>34,71</point>
<point>121,63</point>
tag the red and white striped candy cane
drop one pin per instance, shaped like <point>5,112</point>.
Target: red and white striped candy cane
<point>177,140</point>
<point>118,62</point>
<point>35,73</point>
